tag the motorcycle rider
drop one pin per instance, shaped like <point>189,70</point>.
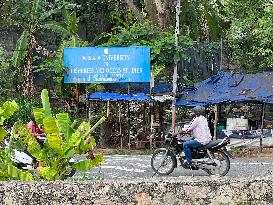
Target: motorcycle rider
<point>199,129</point>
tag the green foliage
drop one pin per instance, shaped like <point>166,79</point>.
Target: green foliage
<point>7,170</point>
<point>32,16</point>
<point>161,43</point>
<point>201,19</point>
<point>7,77</point>
<point>26,106</point>
<point>21,49</point>
<point>6,111</point>
<point>63,142</point>
<point>119,152</point>
<point>68,31</point>
<point>251,33</point>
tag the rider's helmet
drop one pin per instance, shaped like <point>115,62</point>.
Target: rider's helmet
<point>199,110</point>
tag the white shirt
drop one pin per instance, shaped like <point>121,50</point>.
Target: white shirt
<point>199,129</point>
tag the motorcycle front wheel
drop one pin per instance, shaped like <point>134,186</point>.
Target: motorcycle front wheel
<point>221,164</point>
<point>163,161</point>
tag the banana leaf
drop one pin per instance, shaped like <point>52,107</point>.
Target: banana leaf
<point>64,124</point>
<point>3,133</point>
<point>46,103</point>
<point>86,164</point>
<point>50,126</point>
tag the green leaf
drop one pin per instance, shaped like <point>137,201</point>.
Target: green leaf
<point>73,23</point>
<point>55,143</point>
<point>86,164</point>
<point>3,133</point>
<point>34,147</point>
<point>50,126</point>
<point>35,10</point>
<point>9,108</point>
<point>64,124</point>
<point>47,14</point>
<point>39,114</point>
<point>16,173</point>
<point>47,173</point>
<point>46,103</point>
<point>57,28</point>
<point>83,147</point>
<point>21,49</point>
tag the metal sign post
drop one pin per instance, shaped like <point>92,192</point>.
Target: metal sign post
<point>177,31</point>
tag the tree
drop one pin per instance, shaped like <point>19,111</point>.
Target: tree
<point>158,12</point>
<point>144,34</point>
<point>31,17</point>
<point>251,33</point>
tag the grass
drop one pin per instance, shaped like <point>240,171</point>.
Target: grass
<point>129,152</point>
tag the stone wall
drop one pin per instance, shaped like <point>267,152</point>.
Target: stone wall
<point>155,191</point>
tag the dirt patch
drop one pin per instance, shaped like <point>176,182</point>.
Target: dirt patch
<point>266,152</point>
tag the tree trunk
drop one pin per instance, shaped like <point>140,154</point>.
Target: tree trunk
<point>105,135</point>
<point>159,13</point>
<point>164,12</point>
<point>28,86</point>
<point>151,11</point>
<point>135,10</point>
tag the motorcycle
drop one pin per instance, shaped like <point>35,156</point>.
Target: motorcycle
<point>213,158</point>
<point>24,160</point>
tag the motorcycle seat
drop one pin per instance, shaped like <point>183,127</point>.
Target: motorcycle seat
<point>210,145</point>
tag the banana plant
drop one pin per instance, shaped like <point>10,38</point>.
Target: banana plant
<point>33,17</point>
<point>64,140</point>
<point>7,170</point>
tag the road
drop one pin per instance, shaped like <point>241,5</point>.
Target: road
<point>138,167</point>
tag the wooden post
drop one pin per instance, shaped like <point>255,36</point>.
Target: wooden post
<point>119,120</point>
<point>215,122</point>
<point>177,32</point>
<point>108,108</point>
<point>151,138</point>
<point>128,119</point>
<point>89,110</point>
<point>262,128</point>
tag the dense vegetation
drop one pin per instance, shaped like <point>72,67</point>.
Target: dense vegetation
<point>35,32</point>
<point>242,28</point>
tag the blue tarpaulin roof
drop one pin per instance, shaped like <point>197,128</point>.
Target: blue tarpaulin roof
<point>119,97</point>
<point>159,87</point>
<point>226,87</point>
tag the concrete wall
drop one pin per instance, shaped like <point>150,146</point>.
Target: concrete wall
<point>167,191</point>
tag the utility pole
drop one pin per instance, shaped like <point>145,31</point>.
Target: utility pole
<point>177,32</point>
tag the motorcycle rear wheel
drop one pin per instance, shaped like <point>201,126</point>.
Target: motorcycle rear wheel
<point>163,161</point>
<point>222,165</point>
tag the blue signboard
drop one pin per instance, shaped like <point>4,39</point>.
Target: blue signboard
<point>107,64</point>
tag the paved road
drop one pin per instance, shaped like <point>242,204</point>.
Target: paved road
<point>138,166</point>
